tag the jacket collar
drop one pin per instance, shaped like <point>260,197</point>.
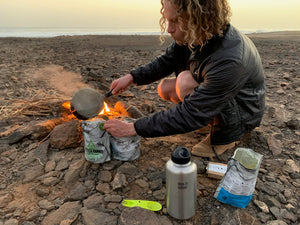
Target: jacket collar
<point>199,54</point>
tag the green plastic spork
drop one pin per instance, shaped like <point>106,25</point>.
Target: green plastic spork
<point>150,205</point>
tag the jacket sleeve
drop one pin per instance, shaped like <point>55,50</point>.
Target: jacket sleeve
<point>161,66</point>
<point>221,83</point>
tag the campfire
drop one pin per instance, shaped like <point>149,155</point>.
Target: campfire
<point>106,113</point>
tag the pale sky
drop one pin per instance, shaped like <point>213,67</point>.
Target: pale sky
<point>247,14</point>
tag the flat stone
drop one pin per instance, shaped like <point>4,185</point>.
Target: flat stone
<point>50,181</point>
<point>77,192</point>
<point>105,176</point>
<point>156,185</point>
<point>271,201</point>
<point>119,181</point>
<point>276,222</point>
<point>62,164</point>
<point>33,172</point>
<point>42,191</point>
<point>103,188</point>
<point>68,210</point>
<point>94,201</point>
<point>12,222</point>
<point>276,212</point>
<point>128,169</point>
<point>142,183</point>
<point>291,166</point>
<point>5,199</point>
<point>50,166</point>
<point>275,145</point>
<point>111,165</point>
<point>45,204</point>
<point>113,198</point>
<point>93,217</point>
<point>138,216</point>
<point>160,194</point>
<point>32,215</point>
<point>72,174</point>
<point>34,130</point>
<point>263,206</point>
<point>41,152</point>
<point>246,218</point>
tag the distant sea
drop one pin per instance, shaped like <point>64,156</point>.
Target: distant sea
<point>40,32</point>
<point>54,31</point>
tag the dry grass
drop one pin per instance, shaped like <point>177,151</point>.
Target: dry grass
<point>29,107</point>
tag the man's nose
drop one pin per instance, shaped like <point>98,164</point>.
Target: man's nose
<point>171,28</point>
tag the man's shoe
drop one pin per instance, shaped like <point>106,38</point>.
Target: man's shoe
<point>205,149</point>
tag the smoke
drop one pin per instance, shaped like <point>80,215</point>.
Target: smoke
<point>55,77</point>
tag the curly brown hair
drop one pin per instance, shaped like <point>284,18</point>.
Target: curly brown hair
<point>199,19</point>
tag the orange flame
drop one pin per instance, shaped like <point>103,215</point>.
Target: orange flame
<point>67,105</point>
<point>105,109</point>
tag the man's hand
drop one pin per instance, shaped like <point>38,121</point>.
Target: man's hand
<point>120,85</point>
<point>119,128</point>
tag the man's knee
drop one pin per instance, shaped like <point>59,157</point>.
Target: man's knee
<point>185,84</point>
<point>166,90</point>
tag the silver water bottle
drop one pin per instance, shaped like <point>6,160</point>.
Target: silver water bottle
<point>181,181</point>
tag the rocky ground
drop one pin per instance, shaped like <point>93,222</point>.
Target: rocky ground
<point>45,178</point>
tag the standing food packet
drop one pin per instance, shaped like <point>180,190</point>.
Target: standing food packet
<point>96,141</point>
<point>237,185</point>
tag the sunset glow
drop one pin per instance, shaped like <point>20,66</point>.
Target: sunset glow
<point>138,14</point>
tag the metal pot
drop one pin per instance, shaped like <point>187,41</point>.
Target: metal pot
<point>86,103</point>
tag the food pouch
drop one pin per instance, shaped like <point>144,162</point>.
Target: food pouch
<point>96,141</point>
<point>237,185</point>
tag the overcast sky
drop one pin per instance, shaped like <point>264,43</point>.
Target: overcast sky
<point>136,14</point>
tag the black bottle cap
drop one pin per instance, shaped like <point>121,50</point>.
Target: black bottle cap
<point>181,155</point>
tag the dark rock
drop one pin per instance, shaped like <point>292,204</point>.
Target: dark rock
<point>156,184</point>
<point>62,164</point>
<point>276,222</point>
<point>271,201</point>
<point>72,174</point>
<point>5,199</point>
<point>78,192</point>
<point>246,218</point>
<point>45,204</point>
<point>275,145</point>
<point>157,175</point>
<point>68,210</point>
<point>293,124</point>
<point>94,201</point>
<point>32,173</point>
<point>119,181</point>
<point>128,169</point>
<point>138,216</point>
<point>160,194</point>
<point>41,152</point>
<point>93,217</point>
<point>105,176</point>
<point>34,130</point>
<point>103,188</point>
<point>113,198</point>
<point>66,135</point>
<point>42,191</point>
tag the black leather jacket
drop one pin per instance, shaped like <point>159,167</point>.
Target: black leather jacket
<point>230,95</point>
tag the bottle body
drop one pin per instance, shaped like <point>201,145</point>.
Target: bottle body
<point>181,182</point>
